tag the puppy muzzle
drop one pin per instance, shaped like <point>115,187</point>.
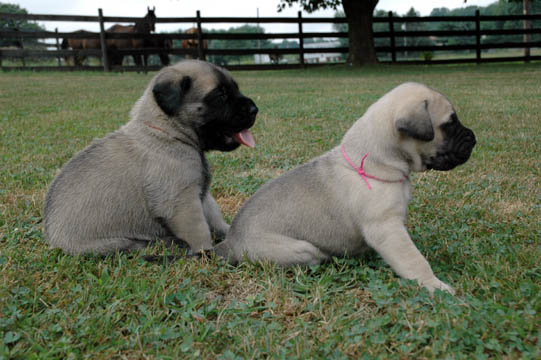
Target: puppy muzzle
<point>456,151</point>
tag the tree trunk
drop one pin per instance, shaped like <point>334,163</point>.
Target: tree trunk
<point>361,39</point>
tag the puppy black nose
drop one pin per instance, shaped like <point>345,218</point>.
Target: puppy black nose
<point>252,110</point>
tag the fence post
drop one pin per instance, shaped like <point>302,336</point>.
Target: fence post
<point>478,36</point>
<point>526,27</point>
<point>301,41</point>
<point>200,54</point>
<point>105,56</point>
<point>22,48</point>
<point>391,31</point>
<point>57,46</point>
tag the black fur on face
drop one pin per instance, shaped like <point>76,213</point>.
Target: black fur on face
<point>417,124</point>
<point>226,113</point>
<point>457,147</point>
<point>169,95</point>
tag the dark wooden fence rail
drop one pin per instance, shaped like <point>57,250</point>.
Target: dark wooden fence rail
<point>392,34</point>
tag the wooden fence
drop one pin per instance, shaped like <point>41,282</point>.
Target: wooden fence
<point>391,34</point>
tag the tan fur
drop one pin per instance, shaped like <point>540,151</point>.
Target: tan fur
<point>147,181</point>
<point>324,208</point>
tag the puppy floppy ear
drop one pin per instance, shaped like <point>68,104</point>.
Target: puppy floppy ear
<point>169,94</point>
<point>416,123</point>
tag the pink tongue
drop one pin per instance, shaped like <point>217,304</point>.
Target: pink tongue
<point>245,137</point>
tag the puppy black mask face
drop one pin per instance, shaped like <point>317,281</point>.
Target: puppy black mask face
<point>457,146</point>
<point>227,117</point>
<point>224,117</point>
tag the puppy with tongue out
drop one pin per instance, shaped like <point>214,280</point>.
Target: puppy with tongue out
<point>149,180</point>
<point>245,138</point>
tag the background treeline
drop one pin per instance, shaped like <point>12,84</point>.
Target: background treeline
<point>17,25</point>
<point>496,8</point>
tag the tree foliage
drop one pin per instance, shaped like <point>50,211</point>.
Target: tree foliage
<point>16,25</point>
<point>502,7</point>
<point>237,44</point>
<point>497,8</point>
<point>311,5</point>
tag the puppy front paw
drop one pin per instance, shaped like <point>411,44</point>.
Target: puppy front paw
<point>436,283</point>
<point>218,234</point>
<point>201,254</point>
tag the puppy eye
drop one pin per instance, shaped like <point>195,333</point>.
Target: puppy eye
<point>222,94</point>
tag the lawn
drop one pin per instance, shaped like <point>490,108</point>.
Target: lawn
<point>478,226</point>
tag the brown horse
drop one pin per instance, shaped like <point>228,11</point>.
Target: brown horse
<point>78,44</point>
<point>143,26</point>
<point>192,43</point>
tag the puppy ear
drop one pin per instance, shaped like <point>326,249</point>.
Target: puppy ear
<point>169,94</point>
<point>416,123</point>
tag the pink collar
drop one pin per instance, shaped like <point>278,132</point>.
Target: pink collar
<point>157,128</point>
<point>364,175</point>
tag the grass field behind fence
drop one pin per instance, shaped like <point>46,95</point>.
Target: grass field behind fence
<point>478,226</point>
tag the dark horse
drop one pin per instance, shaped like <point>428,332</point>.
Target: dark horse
<point>143,26</point>
<point>160,44</point>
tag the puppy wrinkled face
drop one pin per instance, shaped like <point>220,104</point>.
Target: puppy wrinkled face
<point>456,148</point>
<point>227,116</point>
<point>220,114</point>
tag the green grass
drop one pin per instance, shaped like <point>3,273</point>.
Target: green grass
<point>478,226</point>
